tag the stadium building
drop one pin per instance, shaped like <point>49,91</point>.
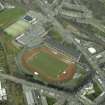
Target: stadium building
<point>52,67</point>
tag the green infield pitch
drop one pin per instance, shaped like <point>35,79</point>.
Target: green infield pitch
<point>9,16</point>
<point>17,28</point>
<point>48,64</point>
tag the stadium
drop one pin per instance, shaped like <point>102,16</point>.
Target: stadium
<point>48,64</point>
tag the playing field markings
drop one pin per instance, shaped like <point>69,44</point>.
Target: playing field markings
<point>49,65</point>
<point>17,28</point>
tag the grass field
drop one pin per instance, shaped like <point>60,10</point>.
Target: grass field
<point>17,28</point>
<point>55,35</point>
<point>9,16</point>
<point>49,64</point>
<point>51,100</point>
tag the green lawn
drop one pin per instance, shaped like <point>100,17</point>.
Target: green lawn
<point>9,16</point>
<point>55,35</point>
<point>17,28</point>
<point>50,65</point>
<point>51,100</point>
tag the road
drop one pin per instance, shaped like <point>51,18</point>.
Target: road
<point>90,61</point>
<point>33,85</point>
<point>61,96</point>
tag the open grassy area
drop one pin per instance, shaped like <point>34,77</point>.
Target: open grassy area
<point>55,35</point>
<point>17,28</point>
<point>2,58</point>
<point>9,16</point>
<point>8,52</point>
<point>49,64</point>
<point>50,100</point>
<point>9,46</point>
<point>98,91</point>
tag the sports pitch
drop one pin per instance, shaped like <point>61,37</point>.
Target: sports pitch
<point>48,64</point>
<point>17,28</point>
